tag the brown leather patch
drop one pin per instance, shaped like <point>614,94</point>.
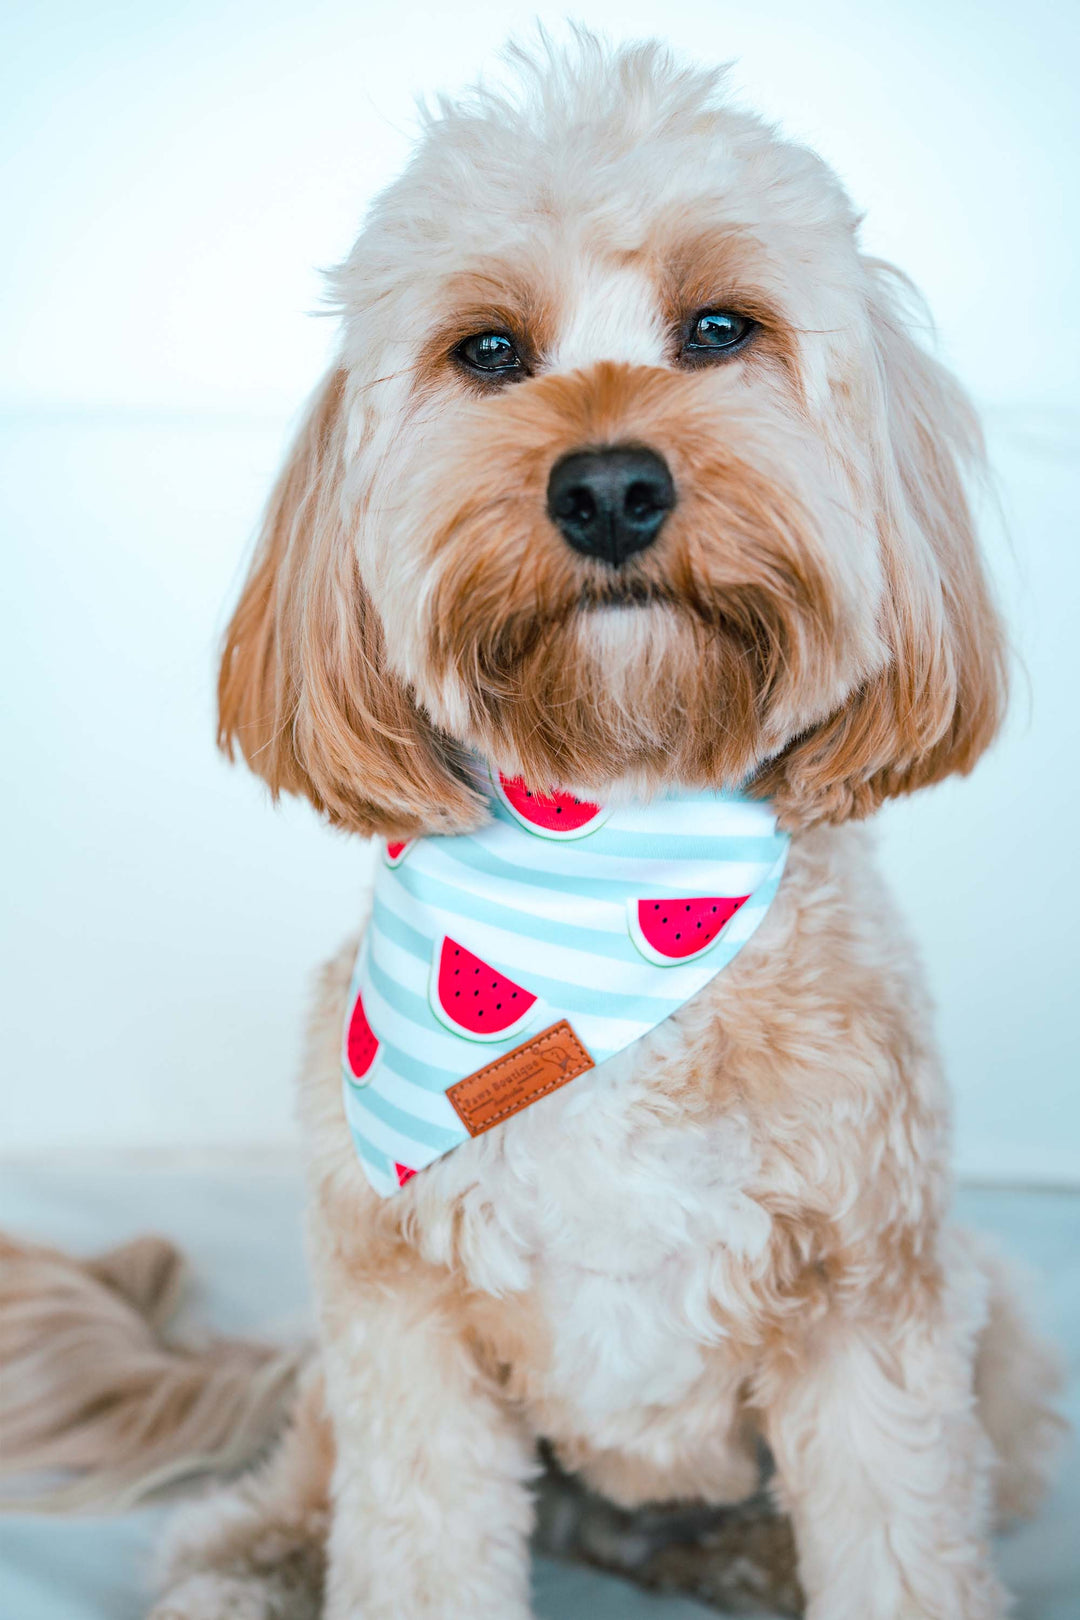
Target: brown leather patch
<point>519,1078</point>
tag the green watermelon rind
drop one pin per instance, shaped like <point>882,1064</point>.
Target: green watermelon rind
<point>448,1021</point>
<point>549,833</point>
<point>395,860</point>
<point>365,1079</point>
<point>650,952</point>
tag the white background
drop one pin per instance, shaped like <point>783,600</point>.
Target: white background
<point>173,176</point>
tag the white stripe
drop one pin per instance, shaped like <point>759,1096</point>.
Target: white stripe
<point>383,1181</point>
<point>556,905</point>
<point>561,902</point>
<point>405,1149</point>
<point>523,954</point>
<point>434,1107</point>
<point>559,861</point>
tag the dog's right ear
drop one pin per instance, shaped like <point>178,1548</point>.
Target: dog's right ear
<point>304,690</point>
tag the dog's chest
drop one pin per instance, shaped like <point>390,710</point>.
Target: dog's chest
<point>618,1220</point>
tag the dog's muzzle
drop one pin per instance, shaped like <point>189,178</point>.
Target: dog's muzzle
<point>610,503</point>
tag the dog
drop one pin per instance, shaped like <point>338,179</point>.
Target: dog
<point>730,1239</point>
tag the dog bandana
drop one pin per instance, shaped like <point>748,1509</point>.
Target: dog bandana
<point>501,964</point>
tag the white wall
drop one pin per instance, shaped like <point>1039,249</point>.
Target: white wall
<point>178,169</point>
<point>174,174</point>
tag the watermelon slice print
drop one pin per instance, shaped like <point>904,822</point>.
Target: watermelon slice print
<point>668,932</point>
<point>549,815</point>
<point>396,849</point>
<point>403,1173</point>
<point>474,999</point>
<point>362,1045</point>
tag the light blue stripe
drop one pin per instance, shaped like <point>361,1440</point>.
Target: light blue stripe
<point>406,1124</point>
<point>470,852</point>
<point>410,939</point>
<point>421,1074</point>
<point>410,1006</point>
<point>463,903</point>
<point>563,996</point>
<point>684,847</point>
<point>604,1003</point>
<point>368,1150</point>
<point>763,897</point>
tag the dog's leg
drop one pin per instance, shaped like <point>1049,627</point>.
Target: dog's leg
<point>256,1549</point>
<point>882,1462</point>
<point>431,1500</point>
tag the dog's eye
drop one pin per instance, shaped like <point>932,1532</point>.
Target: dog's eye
<point>717,331</point>
<point>491,353</point>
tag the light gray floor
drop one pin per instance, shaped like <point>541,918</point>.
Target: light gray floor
<point>241,1230</point>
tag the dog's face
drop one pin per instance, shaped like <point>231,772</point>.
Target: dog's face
<point>629,476</point>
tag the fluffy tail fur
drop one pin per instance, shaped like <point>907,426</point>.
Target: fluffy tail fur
<point>92,1384</point>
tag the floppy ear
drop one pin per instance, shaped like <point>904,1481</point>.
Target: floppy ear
<point>304,691</point>
<point>939,700</point>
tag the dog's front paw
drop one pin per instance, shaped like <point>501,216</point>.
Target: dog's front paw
<point>213,1596</point>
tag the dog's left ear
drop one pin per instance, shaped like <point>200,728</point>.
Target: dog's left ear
<point>938,702</point>
<point>305,691</point>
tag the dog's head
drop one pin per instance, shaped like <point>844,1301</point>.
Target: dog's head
<point>629,474</point>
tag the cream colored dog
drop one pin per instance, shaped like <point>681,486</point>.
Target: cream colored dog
<point>744,1236</point>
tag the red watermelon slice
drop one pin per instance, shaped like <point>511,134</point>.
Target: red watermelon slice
<point>549,815</point>
<point>396,850</point>
<point>668,932</point>
<point>403,1173</point>
<point>362,1045</point>
<point>474,999</point>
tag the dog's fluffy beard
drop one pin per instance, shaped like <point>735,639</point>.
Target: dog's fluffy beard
<point>750,618</point>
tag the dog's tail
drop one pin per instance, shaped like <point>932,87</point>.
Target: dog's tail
<point>91,1385</point>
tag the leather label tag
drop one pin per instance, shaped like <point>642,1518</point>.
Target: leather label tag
<point>520,1077</point>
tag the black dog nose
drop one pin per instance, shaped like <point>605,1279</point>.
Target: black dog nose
<point>610,503</point>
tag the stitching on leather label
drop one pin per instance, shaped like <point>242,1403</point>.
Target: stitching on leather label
<point>509,1084</point>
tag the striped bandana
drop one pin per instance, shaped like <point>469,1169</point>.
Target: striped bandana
<point>501,964</point>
